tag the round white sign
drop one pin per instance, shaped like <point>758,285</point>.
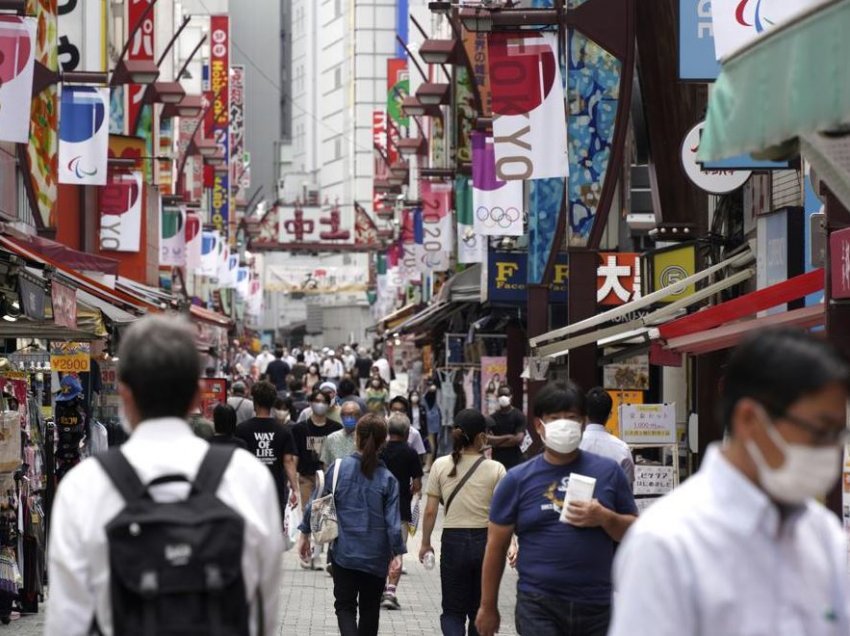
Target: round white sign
<point>714,181</point>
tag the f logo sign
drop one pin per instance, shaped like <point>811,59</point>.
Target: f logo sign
<point>505,271</point>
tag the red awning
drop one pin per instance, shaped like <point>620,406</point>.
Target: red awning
<point>80,261</point>
<point>746,305</point>
<point>730,335</point>
<point>211,317</point>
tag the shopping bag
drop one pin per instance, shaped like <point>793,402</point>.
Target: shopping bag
<point>415,513</point>
<point>323,522</point>
<point>292,519</point>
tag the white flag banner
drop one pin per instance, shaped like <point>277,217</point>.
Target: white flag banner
<point>737,23</point>
<point>497,205</point>
<point>232,269</point>
<point>529,116</point>
<point>243,282</point>
<point>209,253</point>
<point>121,213</point>
<point>83,135</point>
<point>223,263</point>
<point>17,59</point>
<point>172,241</point>
<point>470,246</point>
<point>193,242</point>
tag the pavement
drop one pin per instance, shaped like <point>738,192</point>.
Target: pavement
<point>307,601</point>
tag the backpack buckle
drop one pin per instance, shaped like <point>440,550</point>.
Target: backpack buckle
<point>215,581</point>
<point>149,584</point>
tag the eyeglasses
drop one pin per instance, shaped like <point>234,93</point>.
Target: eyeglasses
<point>820,436</point>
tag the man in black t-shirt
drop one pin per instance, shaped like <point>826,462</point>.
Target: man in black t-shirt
<point>309,438</point>
<point>270,441</point>
<point>506,430</point>
<point>403,462</point>
<point>277,370</point>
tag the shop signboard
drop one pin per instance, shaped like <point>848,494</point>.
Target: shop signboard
<point>697,62</point>
<point>617,398</point>
<point>323,226</point>
<point>70,357</point>
<point>220,112</point>
<point>618,278</point>
<point>17,60</point>
<point>671,265</point>
<point>654,480</point>
<point>110,401</point>
<point>507,280</point>
<point>64,301</point>
<point>772,263</point>
<point>629,374</point>
<point>712,181</point>
<point>648,424</point>
<point>839,263</point>
<point>398,87</point>
<point>213,393</point>
<point>494,374</point>
<point>239,179</point>
<point>82,35</point>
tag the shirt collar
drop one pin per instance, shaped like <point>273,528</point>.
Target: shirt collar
<point>595,427</point>
<point>746,507</point>
<point>163,429</point>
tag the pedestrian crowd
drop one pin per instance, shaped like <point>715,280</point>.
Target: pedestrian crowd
<point>176,532</point>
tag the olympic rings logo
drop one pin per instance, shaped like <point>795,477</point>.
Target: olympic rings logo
<point>498,217</point>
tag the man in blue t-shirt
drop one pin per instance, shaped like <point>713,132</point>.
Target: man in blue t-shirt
<point>564,566</point>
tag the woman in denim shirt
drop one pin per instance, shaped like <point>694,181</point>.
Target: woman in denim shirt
<point>369,544</point>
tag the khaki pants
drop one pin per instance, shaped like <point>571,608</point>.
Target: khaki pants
<point>306,484</point>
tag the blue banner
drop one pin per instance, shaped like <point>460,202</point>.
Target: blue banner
<point>507,278</point>
<point>696,42</point>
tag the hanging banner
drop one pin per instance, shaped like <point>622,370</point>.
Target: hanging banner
<point>697,62</point>
<point>498,204</point>
<point>470,246</point>
<point>141,50</point>
<point>121,212</point>
<point>545,199</point>
<point>436,216</point>
<point>17,59</point>
<point>241,181</point>
<point>379,144</point>
<point>494,375</point>
<point>83,135</point>
<point>243,282</point>
<point>475,43</point>
<point>64,300</point>
<point>172,245</point>
<point>210,240</point>
<point>398,87</point>
<point>220,87</point>
<point>326,225</point>
<point>365,230</point>
<point>738,23</point>
<point>43,146</point>
<point>193,173</point>
<point>82,36</point>
<point>315,280</point>
<point>223,264</point>
<point>529,116</point>
<point>193,242</point>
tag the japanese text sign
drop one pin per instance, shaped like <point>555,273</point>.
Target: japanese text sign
<point>618,278</point>
<point>654,480</point>
<point>648,423</point>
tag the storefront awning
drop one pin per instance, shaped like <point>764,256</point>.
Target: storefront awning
<point>789,83</point>
<point>391,321</point>
<point>115,314</point>
<point>81,261</point>
<point>212,317</point>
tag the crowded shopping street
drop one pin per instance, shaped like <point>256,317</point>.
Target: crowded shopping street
<point>463,317</point>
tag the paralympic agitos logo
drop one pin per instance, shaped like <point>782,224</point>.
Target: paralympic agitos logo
<point>749,13</point>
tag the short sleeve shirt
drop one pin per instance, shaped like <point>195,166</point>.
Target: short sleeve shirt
<point>309,440</point>
<point>269,441</point>
<point>337,445</point>
<point>508,422</point>
<point>557,559</point>
<point>471,506</point>
<point>403,462</point>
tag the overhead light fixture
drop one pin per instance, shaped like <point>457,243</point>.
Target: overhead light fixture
<point>442,8</point>
<point>487,19</point>
<point>166,93</point>
<point>440,51</point>
<point>411,146</point>
<point>433,94</point>
<point>190,106</point>
<point>399,169</point>
<point>135,72</point>
<point>412,107</point>
<point>207,148</point>
<point>216,159</point>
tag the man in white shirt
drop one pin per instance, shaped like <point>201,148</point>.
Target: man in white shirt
<point>263,359</point>
<point>744,547</point>
<point>158,375</point>
<point>599,441</point>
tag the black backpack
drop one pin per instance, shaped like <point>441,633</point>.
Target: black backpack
<point>176,568</point>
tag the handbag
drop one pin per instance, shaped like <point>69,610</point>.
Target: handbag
<point>323,520</point>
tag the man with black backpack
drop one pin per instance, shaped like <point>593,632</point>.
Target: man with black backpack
<point>166,534</point>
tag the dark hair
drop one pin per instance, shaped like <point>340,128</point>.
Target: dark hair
<point>599,405</point>
<point>264,394</point>
<point>371,436</point>
<point>346,387</point>
<point>278,353</point>
<point>777,367</point>
<point>400,399</point>
<point>281,403</point>
<point>160,365</point>
<point>559,396</point>
<point>469,424</point>
<point>299,357</point>
<point>224,418</point>
<point>296,385</point>
<point>317,392</point>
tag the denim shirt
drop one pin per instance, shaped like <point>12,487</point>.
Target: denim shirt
<point>368,517</point>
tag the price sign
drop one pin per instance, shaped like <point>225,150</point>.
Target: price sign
<point>70,357</point>
<point>654,480</point>
<point>648,423</point>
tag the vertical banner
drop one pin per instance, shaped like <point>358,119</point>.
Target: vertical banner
<point>697,61</point>
<point>545,197</point>
<point>529,116</point>
<point>43,147</point>
<point>465,113</point>
<point>219,85</point>
<point>17,58</point>
<point>379,144</point>
<point>238,176</point>
<point>193,242</point>
<point>121,212</point>
<point>172,237</point>
<point>497,204</point>
<point>83,135</point>
<point>209,253</point>
<point>475,43</point>
<point>494,371</point>
<point>82,36</point>
<point>436,225</point>
<point>141,48</point>
<point>243,282</point>
<point>470,246</point>
<point>193,174</point>
<point>398,87</point>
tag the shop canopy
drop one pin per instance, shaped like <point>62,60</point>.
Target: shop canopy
<point>592,330</point>
<point>80,261</point>
<point>789,84</point>
<point>459,291</point>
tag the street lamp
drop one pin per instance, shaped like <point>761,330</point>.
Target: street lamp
<point>435,51</point>
<point>410,146</point>
<point>433,94</point>
<point>190,107</point>
<point>486,20</point>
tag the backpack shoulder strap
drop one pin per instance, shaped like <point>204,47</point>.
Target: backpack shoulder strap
<point>337,466</point>
<point>122,474</point>
<point>213,466</point>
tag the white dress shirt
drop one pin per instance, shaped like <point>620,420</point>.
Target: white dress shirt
<point>263,361</point>
<point>86,501</point>
<point>598,441</point>
<point>414,440</point>
<point>713,558</point>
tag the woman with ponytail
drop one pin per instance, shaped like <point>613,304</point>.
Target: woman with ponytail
<point>369,545</point>
<point>464,483</point>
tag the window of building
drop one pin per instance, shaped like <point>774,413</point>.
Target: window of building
<point>338,77</point>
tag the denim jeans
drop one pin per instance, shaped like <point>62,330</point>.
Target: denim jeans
<point>547,616</point>
<point>461,559</point>
<point>353,588</point>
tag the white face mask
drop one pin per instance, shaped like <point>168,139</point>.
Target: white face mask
<point>807,471</point>
<point>504,401</point>
<point>562,436</point>
<point>320,408</point>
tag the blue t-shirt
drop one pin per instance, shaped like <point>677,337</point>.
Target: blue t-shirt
<point>557,559</point>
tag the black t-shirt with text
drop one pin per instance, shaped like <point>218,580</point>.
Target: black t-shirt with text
<point>403,462</point>
<point>508,422</point>
<point>268,440</point>
<point>309,440</point>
